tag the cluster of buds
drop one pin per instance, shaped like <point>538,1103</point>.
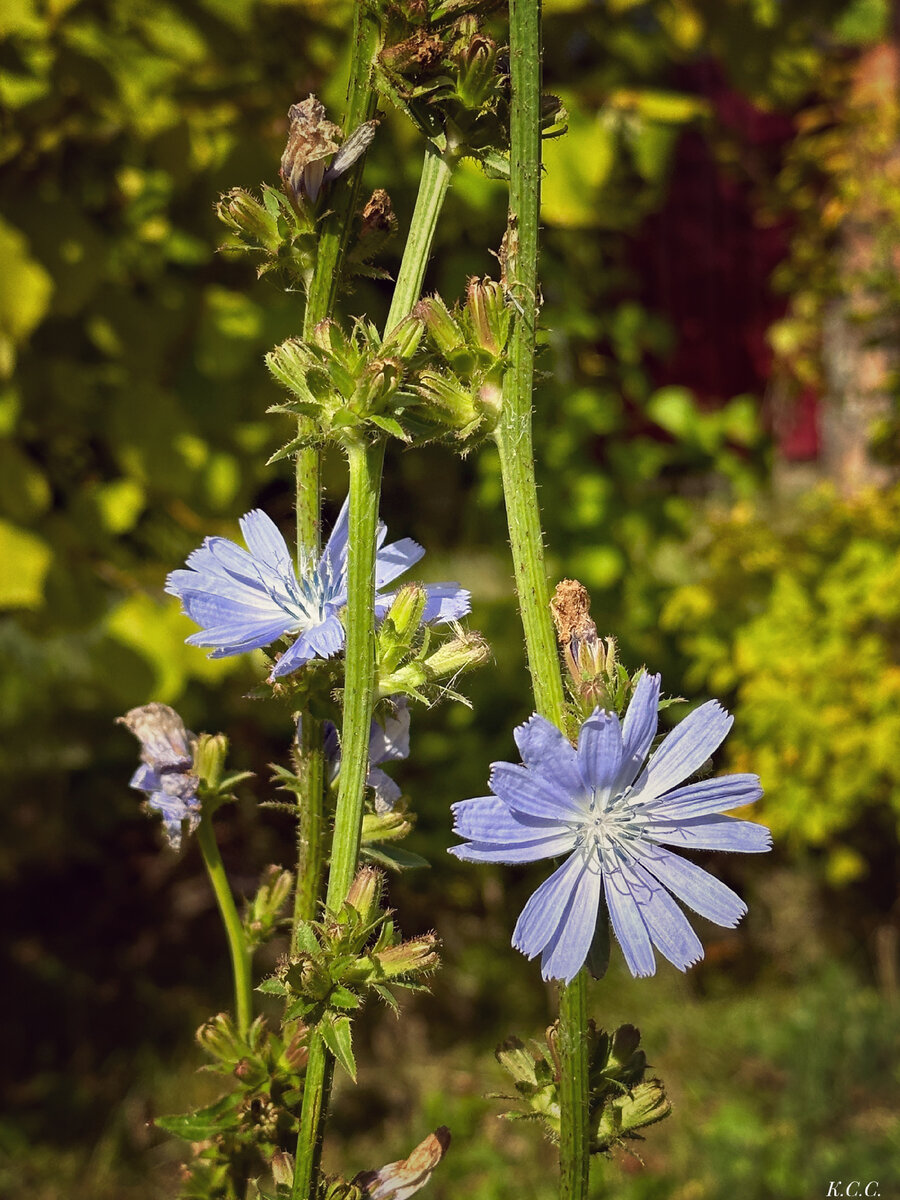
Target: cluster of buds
<point>412,658</point>
<point>596,677</point>
<point>259,1116</point>
<point>464,396</point>
<point>622,1100</point>
<point>280,226</point>
<point>349,384</point>
<point>448,75</point>
<point>441,67</point>
<point>339,961</point>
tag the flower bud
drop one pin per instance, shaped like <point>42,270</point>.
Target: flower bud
<point>209,758</point>
<point>489,314</point>
<point>477,71</point>
<point>443,328</point>
<point>415,957</point>
<point>220,1039</point>
<point>282,1168</point>
<point>405,613</point>
<point>403,340</point>
<point>249,219</point>
<point>365,894</point>
<point>450,402</point>
<point>462,653</point>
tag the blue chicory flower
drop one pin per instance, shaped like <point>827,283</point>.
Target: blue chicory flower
<point>614,817</point>
<point>166,774</point>
<point>245,599</point>
<point>387,743</point>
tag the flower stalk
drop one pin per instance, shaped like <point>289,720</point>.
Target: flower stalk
<point>514,441</point>
<point>234,931</point>
<point>366,463</point>
<point>320,301</point>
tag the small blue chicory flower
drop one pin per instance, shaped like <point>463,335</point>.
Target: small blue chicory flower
<point>166,774</point>
<point>245,599</point>
<point>387,743</point>
<point>613,817</point>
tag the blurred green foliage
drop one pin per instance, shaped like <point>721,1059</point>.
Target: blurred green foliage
<point>132,425</point>
<point>795,614</point>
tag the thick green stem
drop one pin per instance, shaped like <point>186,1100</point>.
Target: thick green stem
<point>514,440</point>
<point>234,930</point>
<point>316,1090</point>
<point>366,461</point>
<point>334,232</point>
<point>433,183</point>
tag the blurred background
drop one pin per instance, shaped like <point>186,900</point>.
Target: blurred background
<point>717,437</point>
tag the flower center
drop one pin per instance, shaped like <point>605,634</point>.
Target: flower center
<point>610,822</point>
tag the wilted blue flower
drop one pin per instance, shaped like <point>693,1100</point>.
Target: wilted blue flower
<point>387,743</point>
<point>613,818</point>
<point>166,774</point>
<point>244,600</point>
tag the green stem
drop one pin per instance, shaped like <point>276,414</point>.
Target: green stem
<point>433,183</point>
<point>334,232</point>
<point>366,461</point>
<point>310,824</point>
<point>335,227</point>
<point>514,441</point>
<point>234,930</point>
<point>316,1091</point>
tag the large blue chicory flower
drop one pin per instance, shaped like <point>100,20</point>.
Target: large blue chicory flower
<point>166,774</point>
<point>245,599</point>
<point>388,742</point>
<point>613,817</point>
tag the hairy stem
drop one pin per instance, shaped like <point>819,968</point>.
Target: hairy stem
<point>234,930</point>
<point>310,824</point>
<point>334,233</point>
<point>514,440</point>
<point>366,463</point>
<point>433,183</point>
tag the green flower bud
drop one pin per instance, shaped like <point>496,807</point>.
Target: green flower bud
<point>418,956</point>
<point>441,325</point>
<point>462,653</point>
<point>249,219</point>
<point>221,1040</point>
<point>476,81</point>
<point>489,315</point>
<point>209,759</point>
<point>365,894</point>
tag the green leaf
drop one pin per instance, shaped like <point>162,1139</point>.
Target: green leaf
<point>337,1035</point>
<point>25,290</point>
<point>26,560</point>
<point>204,1122</point>
<point>393,857</point>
